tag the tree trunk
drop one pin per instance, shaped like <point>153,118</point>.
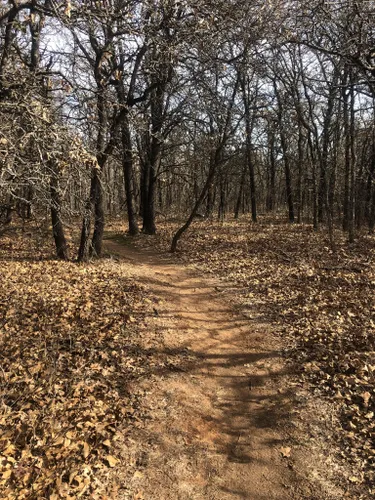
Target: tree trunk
<point>249,124</point>
<point>149,226</point>
<point>351,227</point>
<point>240,193</point>
<point>326,133</point>
<point>370,183</point>
<point>346,209</point>
<point>153,156</point>
<point>271,190</point>
<point>210,201</point>
<point>97,237</point>
<point>284,147</point>
<point>57,226</point>
<point>371,224</point>
<point>94,202</point>
<point>194,212</point>
<point>127,164</point>
<point>300,173</point>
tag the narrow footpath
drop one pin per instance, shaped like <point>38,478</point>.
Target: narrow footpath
<point>218,431</point>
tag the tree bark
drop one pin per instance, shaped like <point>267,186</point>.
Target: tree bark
<point>284,147</point>
<point>240,193</point>
<point>127,163</point>
<point>57,226</point>
<point>249,124</point>
<point>195,209</point>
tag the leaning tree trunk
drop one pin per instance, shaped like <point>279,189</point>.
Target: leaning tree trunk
<point>195,209</point>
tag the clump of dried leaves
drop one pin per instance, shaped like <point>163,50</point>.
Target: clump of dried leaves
<point>323,303</point>
<point>68,352</point>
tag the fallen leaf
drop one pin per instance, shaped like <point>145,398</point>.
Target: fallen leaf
<point>366,396</point>
<point>285,452</point>
<point>86,450</point>
<point>112,461</point>
<point>7,474</point>
<point>354,479</point>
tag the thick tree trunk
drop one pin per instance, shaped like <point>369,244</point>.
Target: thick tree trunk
<point>95,198</point>
<point>127,164</point>
<point>149,226</point>
<point>57,226</point>
<point>97,237</point>
<point>153,157</point>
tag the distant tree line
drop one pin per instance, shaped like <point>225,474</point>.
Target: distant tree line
<point>196,108</point>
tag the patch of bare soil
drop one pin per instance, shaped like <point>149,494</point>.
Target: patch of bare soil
<point>223,422</point>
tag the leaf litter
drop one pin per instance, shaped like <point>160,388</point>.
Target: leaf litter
<point>70,349</point>
<point>71,359</point>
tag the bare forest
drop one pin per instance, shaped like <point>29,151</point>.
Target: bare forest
<point>187,272</point>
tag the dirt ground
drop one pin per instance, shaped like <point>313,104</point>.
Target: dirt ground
<point>221,425</point>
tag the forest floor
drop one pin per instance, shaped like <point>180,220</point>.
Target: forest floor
<point>242,367</point>
<point>219,419</point>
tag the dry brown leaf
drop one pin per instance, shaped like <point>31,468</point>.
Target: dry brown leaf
<point>112,461</point>
<point>7,474</point>
<point>286,451</point>
<point>86,450</point>
<point>366,396</point>
<point>354,479</point>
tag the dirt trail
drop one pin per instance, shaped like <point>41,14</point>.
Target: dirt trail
<point>217,429</point>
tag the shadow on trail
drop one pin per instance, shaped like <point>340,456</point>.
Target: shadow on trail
<point>229,354</point>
